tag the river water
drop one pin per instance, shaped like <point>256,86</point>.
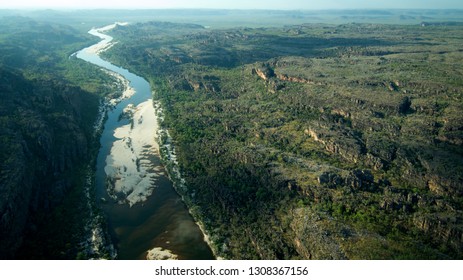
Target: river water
<point>143,210</point>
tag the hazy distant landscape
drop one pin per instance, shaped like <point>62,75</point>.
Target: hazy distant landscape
<point>86,19</point>
<point>333,134</point>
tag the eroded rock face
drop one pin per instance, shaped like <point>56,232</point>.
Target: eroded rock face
<point>313,239</point>
<point>443,228</point>
<point>264,72</point>
<point>342,143</point>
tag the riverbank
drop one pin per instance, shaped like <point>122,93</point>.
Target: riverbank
<point>130,174</point>
<point>127,91</point>
<point>169,159</point>
<point>143,212</point>
<point>106,40</point>
<point>97,242</point>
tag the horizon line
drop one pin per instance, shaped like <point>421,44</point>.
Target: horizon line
<point>219,9</point>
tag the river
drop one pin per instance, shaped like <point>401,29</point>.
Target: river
<point>142,208</point>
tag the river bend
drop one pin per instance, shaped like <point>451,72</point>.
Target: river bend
<point>143,211</point>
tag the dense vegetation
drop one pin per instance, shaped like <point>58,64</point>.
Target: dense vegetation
<point>313,141</point>
<point>49,102</point>
<point>309,141</point>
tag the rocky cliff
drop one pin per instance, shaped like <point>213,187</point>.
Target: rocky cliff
<point>44,142</point>
<point>49,104</point>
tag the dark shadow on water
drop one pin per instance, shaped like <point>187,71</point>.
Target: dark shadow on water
<point>163,219</point>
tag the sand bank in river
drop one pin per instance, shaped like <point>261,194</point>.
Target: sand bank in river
<point>130,172</point>
<point>159,253</point>
<point>128,90</point>
<point>129,167</point>
<point>105,43</point>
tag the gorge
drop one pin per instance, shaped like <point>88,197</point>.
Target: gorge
<point>143,210</point>
<point>289,137</point>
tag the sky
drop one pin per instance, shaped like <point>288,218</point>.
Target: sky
<point>237,4</point>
